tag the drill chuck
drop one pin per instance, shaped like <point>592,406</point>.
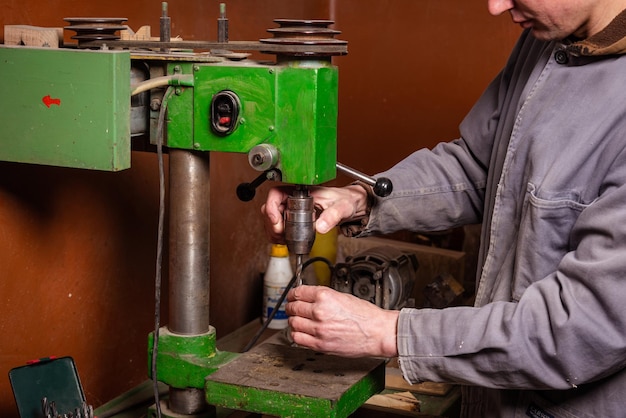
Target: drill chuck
<point>300,223</point>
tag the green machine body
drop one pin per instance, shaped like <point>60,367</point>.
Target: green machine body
<point>283,116</point>
<point>72,108</point>
<point>65,108</point>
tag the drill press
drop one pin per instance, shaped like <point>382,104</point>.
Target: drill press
<point>283,114</point>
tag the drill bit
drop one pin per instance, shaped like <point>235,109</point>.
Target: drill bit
<point>298,281</point>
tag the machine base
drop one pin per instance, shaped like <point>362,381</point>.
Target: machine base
<point>295,382</point>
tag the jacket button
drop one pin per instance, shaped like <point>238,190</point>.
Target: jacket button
<point>561,57</point>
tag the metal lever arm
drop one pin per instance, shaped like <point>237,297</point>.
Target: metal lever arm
<point>382,186</point>
<point>247,191</point>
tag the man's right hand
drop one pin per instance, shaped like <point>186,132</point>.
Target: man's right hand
<point>337,205</point>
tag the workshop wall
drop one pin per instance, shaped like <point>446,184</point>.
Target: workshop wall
<point>413,71</point>
<point>77,248</point>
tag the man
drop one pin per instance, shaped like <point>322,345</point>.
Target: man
<point>541,162</point>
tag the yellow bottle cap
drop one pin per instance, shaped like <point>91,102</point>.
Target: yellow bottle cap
<point>279,250</point>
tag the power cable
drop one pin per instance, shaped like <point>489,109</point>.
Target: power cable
<point>159,255</point>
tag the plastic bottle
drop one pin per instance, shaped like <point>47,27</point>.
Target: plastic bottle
<point>277,277</point>
<point>325,245</point>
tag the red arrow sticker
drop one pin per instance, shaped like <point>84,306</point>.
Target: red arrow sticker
<point>49,101</point>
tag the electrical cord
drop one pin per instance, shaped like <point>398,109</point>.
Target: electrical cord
<point>167,80</point>
<point>159,255</point>
<point>282,299</point>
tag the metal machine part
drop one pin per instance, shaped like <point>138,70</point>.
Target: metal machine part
<point>225,107</point>
<point>189,243</point>
<point>247,191</point>
<point>188,401</point>
<point>263,157</point>
<point>95,28</point>
<point>188,260</point>
<point>57,119</point>
<point>298,383</point>
<point>300,221</point>
<point>382,275</point>
<point>139,103</point>
<point>222,25</point>
<point>444,291</point>
<point>165,24</point>
<point>381,186</point>
<point>294,32</point>
<point>300,226</point>
<point>294,39</point>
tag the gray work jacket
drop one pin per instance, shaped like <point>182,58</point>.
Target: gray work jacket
<point>541,162</point>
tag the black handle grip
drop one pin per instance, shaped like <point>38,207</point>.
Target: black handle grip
<point>247,191</point>
<point>383,187</point>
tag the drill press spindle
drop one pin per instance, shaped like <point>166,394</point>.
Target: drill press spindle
<point>300,226</point>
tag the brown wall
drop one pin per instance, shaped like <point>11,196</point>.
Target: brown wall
<point>413,71</point>
<point>77,248</point>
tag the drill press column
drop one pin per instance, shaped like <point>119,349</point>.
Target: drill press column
<point>188,259</point>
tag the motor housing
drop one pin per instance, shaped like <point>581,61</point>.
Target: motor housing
<point>382,275</point>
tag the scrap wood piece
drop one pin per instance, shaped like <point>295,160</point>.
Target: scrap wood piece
<point>33,36</point>
<point>142,34</point>
<point>398,401</point>
<point>395,381</point>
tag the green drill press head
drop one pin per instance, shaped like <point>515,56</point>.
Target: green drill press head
<point>283,116</point>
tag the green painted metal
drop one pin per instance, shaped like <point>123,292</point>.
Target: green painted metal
<point>180,114</point>
<point>186,361</point>
<point>293,108</point>
<point>183,361</point>
<point>290,405</point>
<point>294,382</point>
<point>64,107</point>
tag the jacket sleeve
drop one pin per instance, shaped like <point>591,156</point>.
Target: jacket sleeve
<point>567,329</point>
<point>444,187</point>
<point>432,190</point>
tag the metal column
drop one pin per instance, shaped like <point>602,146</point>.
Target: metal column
<point>188,259</point>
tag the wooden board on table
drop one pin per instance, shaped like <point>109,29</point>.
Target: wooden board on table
<point>395,381</point>
<point>398,402</point>
<point>33,36</point>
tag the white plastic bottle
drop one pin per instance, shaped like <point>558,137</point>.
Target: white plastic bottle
<point>277,277</point>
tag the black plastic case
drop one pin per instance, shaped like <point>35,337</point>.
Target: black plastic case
<point>55,379</point>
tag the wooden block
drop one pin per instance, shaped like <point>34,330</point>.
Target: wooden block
<point>398,401</point>
<point>33,36</point>
<point>395,381</point>
<point>142,34</point>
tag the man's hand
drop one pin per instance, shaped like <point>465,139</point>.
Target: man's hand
<point>337,204</point>
<point>273,210</point>
<point>338,323</point>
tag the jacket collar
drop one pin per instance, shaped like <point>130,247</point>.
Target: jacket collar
<point>609,41</point>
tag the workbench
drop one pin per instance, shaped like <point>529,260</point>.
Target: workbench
<point>399,399</point>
